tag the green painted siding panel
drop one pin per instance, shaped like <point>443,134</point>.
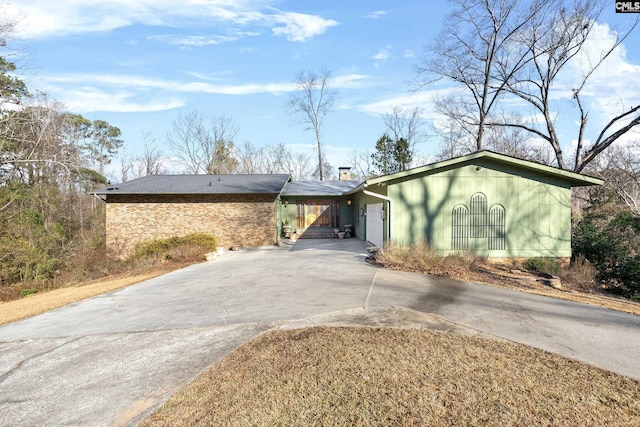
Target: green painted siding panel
<point>538,210</point>
<point>360,206</point>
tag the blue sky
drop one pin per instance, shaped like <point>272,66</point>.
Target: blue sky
<point>138,64</point>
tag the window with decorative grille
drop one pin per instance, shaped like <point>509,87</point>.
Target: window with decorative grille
<point>460,227</point>
<point>497,228</point>
<point>478,215</point>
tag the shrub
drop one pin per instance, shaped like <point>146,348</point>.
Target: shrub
<point>543,265</point>
<point>30,247</point>
<point>612,244</point>
<point>420,257</point>
<point>191,247</point>
<point>27,292</point>
<point>22,260</point>
<point>581,273</point>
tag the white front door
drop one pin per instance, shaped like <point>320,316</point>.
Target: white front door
<point>375,224</point>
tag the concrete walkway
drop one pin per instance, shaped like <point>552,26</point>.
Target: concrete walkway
<point>112,359</point>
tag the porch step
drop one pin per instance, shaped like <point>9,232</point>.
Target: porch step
<point>318,234</point>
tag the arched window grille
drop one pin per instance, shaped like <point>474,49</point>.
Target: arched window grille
<point>497,228</point>
<point>460,227</point>
<point>478,215</point>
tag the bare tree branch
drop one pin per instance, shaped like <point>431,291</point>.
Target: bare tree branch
<point>405,123</point>
<point>204,145</point>
<point>477,48</point>
<point>313,101</point>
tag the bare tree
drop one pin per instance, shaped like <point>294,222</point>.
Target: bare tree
<point>47,221</point>
<point>503,51</point>
<point>311,102</point>
<point>476,49</point>
<point>248,159</point>
<point>455,139</point>
<point>204,145</point>
<point>327,170</point>
<point>300,166</point>
<point>620,168</point>
<point>362,164</point>
<point>279,159</point>
<point>44,170</point>
<point>34,145</point>
<point>404,124</point>
<point>513,141</point>
<point>152,161</point>
<point>274,159</point>
<point>554,39</point>
<point>126,164</point>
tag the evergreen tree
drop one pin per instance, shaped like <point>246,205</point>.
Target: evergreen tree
<point>391,156</point>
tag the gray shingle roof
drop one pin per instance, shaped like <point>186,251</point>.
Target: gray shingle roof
<point>318,188</point>
<point>200,184</point>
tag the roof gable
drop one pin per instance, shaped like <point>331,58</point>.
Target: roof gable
<point>200,184</point>
<point>575,179</point>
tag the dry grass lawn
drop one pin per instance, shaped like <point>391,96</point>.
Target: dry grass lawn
<point>527,282</point>
<point>379,377</point>
<point>12,311</point>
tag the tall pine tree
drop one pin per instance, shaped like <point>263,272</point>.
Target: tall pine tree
<point>391,156</point>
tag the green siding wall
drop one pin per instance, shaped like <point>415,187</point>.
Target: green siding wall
<point>538,209</point>
<point>361,201</point>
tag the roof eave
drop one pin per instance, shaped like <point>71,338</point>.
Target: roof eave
<point>576,179</point>
<point>198,193</point>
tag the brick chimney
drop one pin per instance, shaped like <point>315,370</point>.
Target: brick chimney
<point>345,174</point>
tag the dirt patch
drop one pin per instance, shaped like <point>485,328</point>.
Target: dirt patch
<point>384,376</point>
<point>501,276</point>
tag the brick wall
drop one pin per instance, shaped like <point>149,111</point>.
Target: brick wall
<point>246,220</point>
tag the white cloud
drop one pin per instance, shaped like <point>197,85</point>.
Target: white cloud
<point>193,41</point>
<point>41,18</point>
<point>615,80</point>
<point>376,15</point>
<point>46,18</point>
<point>349,81</point>
<point>214,78</point>
<point>130,93</point>
<point>423,99</point>
<point>107,92</point>
<point>382,55</point>
<point>300,27</point>
<point>89,99</point>
<point>143,83</point>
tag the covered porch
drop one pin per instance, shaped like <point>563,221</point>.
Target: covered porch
<point>316,209</point>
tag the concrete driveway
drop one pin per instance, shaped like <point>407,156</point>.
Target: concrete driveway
<point>112,359</point>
